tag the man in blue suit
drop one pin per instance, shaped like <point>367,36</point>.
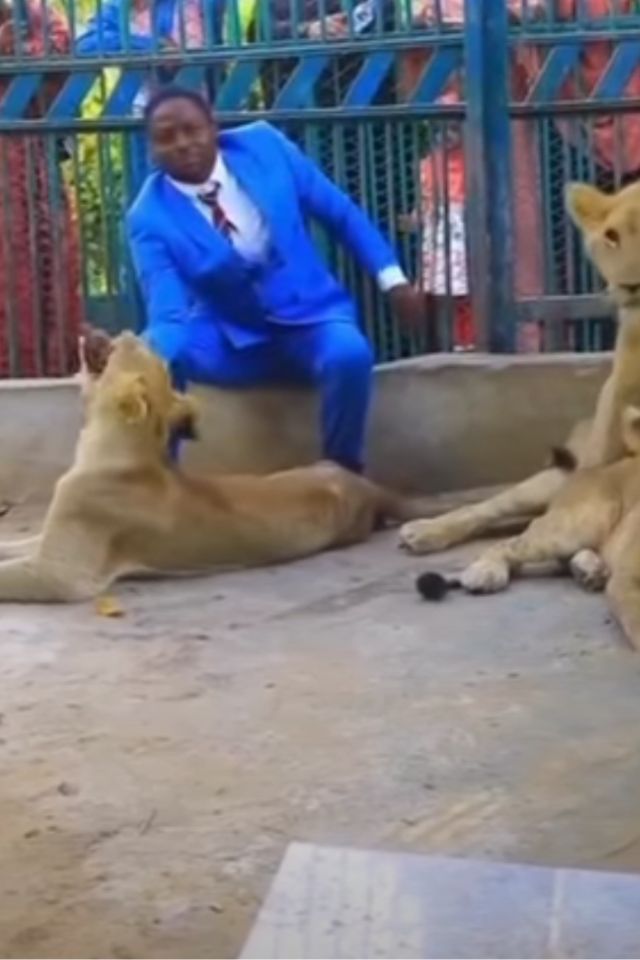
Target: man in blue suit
<point>235,292</point>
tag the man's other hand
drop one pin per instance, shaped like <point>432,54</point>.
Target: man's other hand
<point>95,347</point>
<point>408,306</point>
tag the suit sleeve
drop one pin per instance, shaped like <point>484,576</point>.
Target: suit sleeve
<point>164,293</point>
<point>321,199</point>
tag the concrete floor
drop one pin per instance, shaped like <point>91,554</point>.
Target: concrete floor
<point>154,767</point>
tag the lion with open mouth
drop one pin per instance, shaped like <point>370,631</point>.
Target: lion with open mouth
<point>124,509</point>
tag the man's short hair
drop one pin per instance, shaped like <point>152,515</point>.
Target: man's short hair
<point>174,92</point>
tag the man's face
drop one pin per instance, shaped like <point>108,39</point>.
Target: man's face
<point>183,140</point>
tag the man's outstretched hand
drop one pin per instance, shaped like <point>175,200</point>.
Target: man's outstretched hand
<point>95,346</point>
<point>408,306</point>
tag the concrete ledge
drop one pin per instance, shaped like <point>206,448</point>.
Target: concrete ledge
<point>441,422</point>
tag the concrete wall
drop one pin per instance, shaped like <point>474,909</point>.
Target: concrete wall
<point>442,422</point>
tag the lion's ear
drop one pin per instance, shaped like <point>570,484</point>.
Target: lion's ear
<point>587,206</point>
<point>184,415</point>
<point>131,398</point>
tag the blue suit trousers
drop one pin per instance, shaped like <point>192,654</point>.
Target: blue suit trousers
<point>333,356</point>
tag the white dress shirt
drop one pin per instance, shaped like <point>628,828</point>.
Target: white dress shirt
<point>250,236</point>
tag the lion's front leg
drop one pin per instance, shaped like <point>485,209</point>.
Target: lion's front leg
<point>69,564</point>
<point>12,549</point>
<point>604,444</point>
<point>525,500</point>
<point>560,535</point>
<point>622,554</point>
<point>26,580</point>
<point>623,594</point>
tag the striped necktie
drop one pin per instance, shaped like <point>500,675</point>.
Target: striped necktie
<point>219,218</point>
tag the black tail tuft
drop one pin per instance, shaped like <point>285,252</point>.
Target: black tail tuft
<point>563,459</point>
<point>433,586</point>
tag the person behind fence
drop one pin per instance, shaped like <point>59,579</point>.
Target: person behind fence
<point>441,214</point>
<point>236,294</point>
<point>545,155</point>
<point>145,27</point>
<point>41,308</point>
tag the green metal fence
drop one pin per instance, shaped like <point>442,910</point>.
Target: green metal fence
<point>72,80</point>
<point>419,108</point>
<point>574,98</point>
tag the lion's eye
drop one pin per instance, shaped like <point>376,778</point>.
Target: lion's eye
<point>612,237</point>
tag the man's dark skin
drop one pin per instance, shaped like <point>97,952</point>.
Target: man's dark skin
<point>184,143</point>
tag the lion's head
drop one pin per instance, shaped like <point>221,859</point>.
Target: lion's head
<point>610,226</point>
<point>135,388</point>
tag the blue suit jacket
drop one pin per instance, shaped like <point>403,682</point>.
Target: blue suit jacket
<point>190,274</point>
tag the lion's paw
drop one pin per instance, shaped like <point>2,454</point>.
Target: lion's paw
<point>485,576</point>
<point>424,536</point>
<point>589,570</point>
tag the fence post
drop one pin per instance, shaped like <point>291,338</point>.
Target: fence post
<point>488,165</point>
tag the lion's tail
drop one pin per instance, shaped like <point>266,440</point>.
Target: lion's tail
<point>435,586</point>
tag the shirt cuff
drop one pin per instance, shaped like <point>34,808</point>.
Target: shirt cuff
<point>391,277</point>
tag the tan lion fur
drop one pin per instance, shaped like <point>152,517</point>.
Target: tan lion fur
<point>610,225</point>
<point>593,525</point>
<point>123,509</point>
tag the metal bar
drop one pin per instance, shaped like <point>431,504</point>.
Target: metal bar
<point>75,178</point>
<point>556,69</point>
<point>370,320</point>
<point>34,255</point>
<point>69,100</point>
<point>578,108</point>
<point>192,77</point>
<point>400,111</point>
<point>392,218</point>
<point>373,309</point>
<point>297,92</point>
<point>58,309</point>
<point>502,326</point>
<point>11,332</point>
<point>436,75</point>
<point>254,52</point>
<point>597,30</point>
<point>19,94</point>
<point>562,308</point>
<point>370,78</point>
<point>488,150</point>
<point>593,31</point>
<point>237,85</point>
<point>121,98</point>
<point>615,78</point>
<point>290,115</point>
<point>477,174</point>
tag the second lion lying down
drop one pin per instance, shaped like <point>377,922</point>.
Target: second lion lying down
<point>610,226</point>
<point>592,524</point>
<point>122,509</point>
